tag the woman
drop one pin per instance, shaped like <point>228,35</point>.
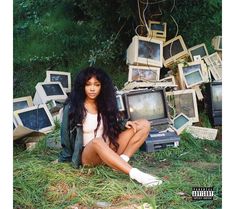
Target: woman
<point>91,132</point>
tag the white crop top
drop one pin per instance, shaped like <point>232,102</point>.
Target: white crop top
<point>89,126</point>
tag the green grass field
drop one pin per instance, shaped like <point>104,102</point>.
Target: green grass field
<point>40,183</point>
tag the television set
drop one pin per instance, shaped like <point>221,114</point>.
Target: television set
<point>22,102</point>
<point>180,122</point>
<point>191,74</point>
<point>148,104</point>
<point>46,91</point>
<point>157,30</point>
<point>63,77</point>
<point>183,101</point>
<point>37,118</point>
<point>143,73</point>
<point>199,49</point>
<point>213,102</point>
<point>216,43</point>
<point>120,103</point>
<point>214,65</point>
<point>145,51</point>
<point>173,50</point>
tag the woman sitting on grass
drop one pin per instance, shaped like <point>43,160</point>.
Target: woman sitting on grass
<point>91,133</point>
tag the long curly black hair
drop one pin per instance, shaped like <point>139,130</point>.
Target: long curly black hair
<point>105,101</point>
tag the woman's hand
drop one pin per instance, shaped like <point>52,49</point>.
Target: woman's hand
<point>131,124</point>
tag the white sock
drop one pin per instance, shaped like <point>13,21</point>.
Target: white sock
<point>144,178</point>
<point>125,157</point>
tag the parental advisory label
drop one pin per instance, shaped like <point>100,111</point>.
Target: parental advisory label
<point>202,193</point>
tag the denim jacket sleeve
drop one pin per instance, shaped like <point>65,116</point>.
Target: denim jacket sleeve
<point>71,141</point>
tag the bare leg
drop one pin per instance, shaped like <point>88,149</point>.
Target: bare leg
<point>130,142</point>
<point>97,152</point>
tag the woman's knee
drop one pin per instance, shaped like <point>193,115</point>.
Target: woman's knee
<point>97,142</point>
<point>144,125</point>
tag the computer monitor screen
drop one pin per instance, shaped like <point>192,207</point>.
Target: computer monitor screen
<point>214,64</point>
<point>147,104</point>
<point>192,75</point>
<point>22,102</point>
<point>145,51</point>
<point>159,27</point>
<point>149,50</point>
<point>183,101</point>
<point>63,79</point>
<point>14,123</point>
<point>143,73</point>
<point>220,42</point>
<point>180,121</point>
<point>217,43</point>
<point>46,91</point>
<point>37,118</point>
<point>157,30</point>
<point>59,76</point>
<point>20,105</point>
<point>198,50</point>
<point>172,49</point>
<point>120,104</point>
<point>216,96</point>
<point>52,89</point>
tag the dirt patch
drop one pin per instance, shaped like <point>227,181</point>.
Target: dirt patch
<point>204,165</point>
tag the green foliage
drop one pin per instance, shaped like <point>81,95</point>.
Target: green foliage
<point>70,34</point>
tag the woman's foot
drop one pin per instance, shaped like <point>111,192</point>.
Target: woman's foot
<point>145,179</point>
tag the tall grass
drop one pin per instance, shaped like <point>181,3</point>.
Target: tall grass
<point>40,183</point>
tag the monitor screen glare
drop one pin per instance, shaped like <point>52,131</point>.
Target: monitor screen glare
<point>192,74</point>
<point>143,74</point>
<point>20,105</point>
<point>217,97</point>
<point>149,50</point>
<point>159,27</point>
<point>149,106</point>
<point>180,121</point>
<point>52,89</point>
<point>199,51</point>
<point>35,119</point>
<point>63,79</point>
<point>172,49</point>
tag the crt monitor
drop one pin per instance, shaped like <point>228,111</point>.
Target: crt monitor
<point>37,118</point>
<point>217,43</point>
<point>63,77</point>
<point>144,73</point>
<point>145,51</point>
<point>157,29</point>
<point>22,102</point>
<point>46,91</point>
<point>213,99</point>
<point>174,49</point>
<point>198,50</point>
<point>148,104</point>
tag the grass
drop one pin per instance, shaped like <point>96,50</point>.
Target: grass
<point>39,183</point>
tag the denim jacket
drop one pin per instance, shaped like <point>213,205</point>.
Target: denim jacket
<point>72,140</point>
